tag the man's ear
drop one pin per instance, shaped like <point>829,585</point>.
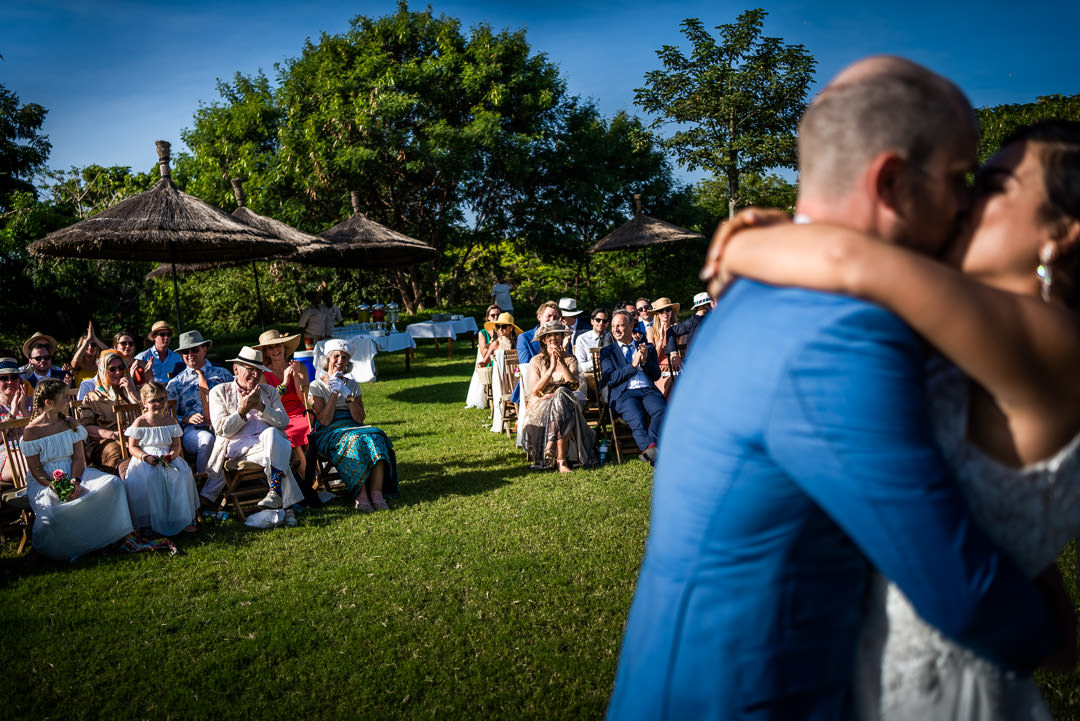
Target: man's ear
<point>887,177</point>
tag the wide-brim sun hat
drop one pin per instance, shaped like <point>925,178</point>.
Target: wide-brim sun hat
<point>274,337</point>
<point>554,327</point>
<point>503,319</point>
<point>193,339</point>
<point>250,357</point>
<point>9,367</point>
<point>701,299</point>
<point>662,304</point>
<point>36,338</point>
<point>158,327</point>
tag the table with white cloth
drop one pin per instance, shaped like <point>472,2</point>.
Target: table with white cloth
<point>364,347</point>
<point>443,330</point>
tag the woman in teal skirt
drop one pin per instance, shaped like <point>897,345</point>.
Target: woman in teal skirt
<point>363,455</point>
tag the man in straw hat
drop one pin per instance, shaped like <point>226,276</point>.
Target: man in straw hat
<point>190,388</point>
<point>162,361</point>
<point>249,422</point>
<point>40,350</point>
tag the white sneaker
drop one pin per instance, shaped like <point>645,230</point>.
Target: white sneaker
<point>272,501</point>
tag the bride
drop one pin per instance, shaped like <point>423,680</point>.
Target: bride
<point>1007,417</point>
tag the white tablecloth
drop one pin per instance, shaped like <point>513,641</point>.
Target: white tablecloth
<point>465,325</point>
<point>430,329</point>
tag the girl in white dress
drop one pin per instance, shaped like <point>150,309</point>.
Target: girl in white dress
<point>96,513</point>
<point>160,487</point>
<point>1009,428</point>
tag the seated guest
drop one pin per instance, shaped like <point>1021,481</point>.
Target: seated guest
<point>702,305</point>
<point>290,377</point>
<point>504,337</point>
<point>664,314</point>
<point>160,488</point>
<point>527,347</point>
<point>630,368</point>
<point>98,415</point>
<point>16,395</point>
<point>600,319</point>
<point>84,362</point>
<point>16,401</point>
<point>555,428</point>
<point>124,344</point>
<point>40,350</point>
<point>570,318</point>
<point>96,512</point>
<point>474,398</point>
<point>644,320</point>
<point>362,454</point>
<point>249,422</point>
<point>191,390</point>
<point>162,362</point>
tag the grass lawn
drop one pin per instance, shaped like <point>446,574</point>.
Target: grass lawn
<point>488,591</point>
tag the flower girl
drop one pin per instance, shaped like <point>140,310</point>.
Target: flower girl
<point>160,488</point>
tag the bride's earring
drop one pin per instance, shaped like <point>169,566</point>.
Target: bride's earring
<point>1044,271</point>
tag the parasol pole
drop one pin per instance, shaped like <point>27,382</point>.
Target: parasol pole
<point>238,193</point>
<point>163,147</point>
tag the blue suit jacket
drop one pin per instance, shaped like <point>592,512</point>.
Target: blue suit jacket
<point>617,371</point>
<point>796,456</point>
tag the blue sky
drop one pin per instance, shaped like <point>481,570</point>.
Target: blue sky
<point>116,75</point>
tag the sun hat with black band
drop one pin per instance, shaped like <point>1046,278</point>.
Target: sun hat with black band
<point>551,328</point>
<point>250,357</point>
<point>158,327</point>
<point>9,367</point>
<point>662,304</point>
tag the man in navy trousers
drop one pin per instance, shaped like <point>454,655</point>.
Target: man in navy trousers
<point>796,454</point>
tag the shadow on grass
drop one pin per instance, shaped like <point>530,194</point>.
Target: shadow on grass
<point>448,392</point>
<point>426,482</point>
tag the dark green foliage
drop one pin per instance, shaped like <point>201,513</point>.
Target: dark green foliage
<point>735,102</point>
<point>998,121</point>
<point>23,148</point>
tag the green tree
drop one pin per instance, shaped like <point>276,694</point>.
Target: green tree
<point>735,103</point>
<point>92,189</point>
<point>23,148</point>
<point>998,121</point>
<point>768,191</point>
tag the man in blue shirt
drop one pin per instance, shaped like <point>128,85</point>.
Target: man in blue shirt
<point>163,363</point>
<point>191,391</point>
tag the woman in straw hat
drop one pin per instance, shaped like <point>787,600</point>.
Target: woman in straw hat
<point>97,412</point>
<point>362,454</point>
<point>504,333</point>
<point>556,433</point>
<point>664,313</point>
<point>291,380</point>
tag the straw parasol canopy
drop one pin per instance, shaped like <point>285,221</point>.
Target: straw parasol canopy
<point>162,224</point>
<point>643,231</point>
<point>360,242</point>
<point>284,231</point>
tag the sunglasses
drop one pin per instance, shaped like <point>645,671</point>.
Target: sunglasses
<point>126,342</point>
<point>10,379</point>
<point>601,320</point>
<point>116,369</point>
<point>644,308</point>
<point>191,351</point>
<point>41,357</point>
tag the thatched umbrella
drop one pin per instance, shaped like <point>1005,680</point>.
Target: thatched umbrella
<point>642,231</point>
<point>360,242</point>
<point>162,224</point>
<point>276,228</point>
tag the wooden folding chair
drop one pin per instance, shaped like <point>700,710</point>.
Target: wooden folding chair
<point>512,372</point>
<point>13,494</point>
<point>126,413</point>
<point>321,471</point>
<point>484,374</point>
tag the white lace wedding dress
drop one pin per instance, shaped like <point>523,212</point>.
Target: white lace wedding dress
<point>907,669</point>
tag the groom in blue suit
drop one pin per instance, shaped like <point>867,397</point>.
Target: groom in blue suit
<point>796,454</point>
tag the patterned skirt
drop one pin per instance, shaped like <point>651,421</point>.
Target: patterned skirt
<point>554,418</point>
<point>354,450</point>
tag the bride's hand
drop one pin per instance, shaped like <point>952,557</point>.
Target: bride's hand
<point>713,272</point>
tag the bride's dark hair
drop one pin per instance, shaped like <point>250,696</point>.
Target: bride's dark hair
<point>1059,141</point>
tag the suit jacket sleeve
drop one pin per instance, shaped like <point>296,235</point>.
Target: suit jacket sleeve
<point>615,373</point>
<point>524,348</point>
<point>680,329</point>
<point>652,364</point>
<point>852,429</point>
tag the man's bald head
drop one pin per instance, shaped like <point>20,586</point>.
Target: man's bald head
<point>879,104</point>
